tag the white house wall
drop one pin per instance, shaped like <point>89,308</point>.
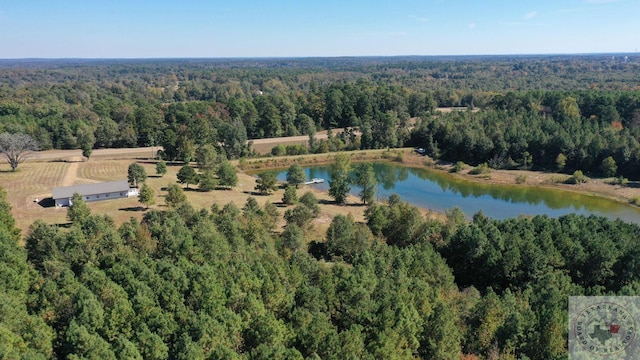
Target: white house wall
<point>96,197</point>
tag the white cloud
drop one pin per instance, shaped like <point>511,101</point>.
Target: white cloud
<point>530,15</point>
<point>421,19</point>
<point>472,26</point>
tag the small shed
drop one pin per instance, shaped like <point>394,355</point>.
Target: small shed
<point>93,192</point>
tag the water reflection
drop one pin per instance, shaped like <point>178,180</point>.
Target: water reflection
<point>440,191</point>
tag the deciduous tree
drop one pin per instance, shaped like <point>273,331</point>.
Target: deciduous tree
<point>266,182</point>
<point>86,140</point>
<point>161,167</point>
<point>17,148</point>
<point>609,167</point>
<point>136,174</point>
<point>339,184</point>
<point>296,175</point>
<point>146,196</point>
<point>187,175</point>
<point>366,179</point>
<point>206,156</point>
<point>175,196</point>
<point>227,175</point>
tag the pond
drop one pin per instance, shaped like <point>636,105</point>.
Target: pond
<point>430,189</point>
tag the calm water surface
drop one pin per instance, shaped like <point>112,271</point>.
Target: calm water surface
<point>439,191</point>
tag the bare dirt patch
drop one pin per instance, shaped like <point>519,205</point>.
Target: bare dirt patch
<point>594,186</point>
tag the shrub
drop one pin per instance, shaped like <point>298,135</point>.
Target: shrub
<point>577,178</point>
<point>555,179</point>
<point>635,200</point>
<point>278,150</point>
<point>399,157</point>
<point>521,179</point>
<point>296,149</point>
<point>620,180</point>
<point>459,166</point>
<point>242,163</point>
<point>481,169</point>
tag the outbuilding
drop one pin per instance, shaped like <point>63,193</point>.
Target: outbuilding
<point>93,192</point>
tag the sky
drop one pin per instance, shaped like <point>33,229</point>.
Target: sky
<point>309,28</point>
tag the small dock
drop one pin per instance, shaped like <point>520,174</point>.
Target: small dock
<point>314,181</point>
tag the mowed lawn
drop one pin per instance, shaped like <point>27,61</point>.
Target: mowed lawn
<point>34,181</point>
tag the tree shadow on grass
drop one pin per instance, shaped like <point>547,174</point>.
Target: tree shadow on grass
<point>133,208</point>
<point>254,193</point>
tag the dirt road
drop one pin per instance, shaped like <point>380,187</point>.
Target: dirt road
<point>260,145</point>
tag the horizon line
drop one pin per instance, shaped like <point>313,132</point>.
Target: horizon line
<point>315,56</point>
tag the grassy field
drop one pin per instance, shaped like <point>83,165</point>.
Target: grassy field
<point>33,182</point>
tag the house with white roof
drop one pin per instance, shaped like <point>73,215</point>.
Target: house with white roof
<point>93,192</point>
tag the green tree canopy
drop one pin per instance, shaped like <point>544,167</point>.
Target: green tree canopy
<point>290,196</point>
<point>175,196</point>
<point>609,167</point>
<point>207,157</point>
<point>187,175</point>
<point>366,179</point>
<point>78,210</point>
<point>227,174</point>
<point>309,200</point>
<point>161,167</point>
<point>207,181</point>
<point>266,182</point>
<point>136,174</point>
<point>147,195</point>
<point>296,175</point>
<point>339,185</point>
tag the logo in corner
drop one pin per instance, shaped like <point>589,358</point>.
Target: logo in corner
<point>604,328</point>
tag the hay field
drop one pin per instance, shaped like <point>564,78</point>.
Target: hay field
<point>35,180</point>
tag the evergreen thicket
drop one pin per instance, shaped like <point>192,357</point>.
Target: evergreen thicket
<point>219,283</point>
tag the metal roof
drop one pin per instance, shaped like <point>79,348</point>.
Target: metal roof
<point>67,192</point>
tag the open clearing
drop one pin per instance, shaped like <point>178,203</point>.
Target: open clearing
<point>34,180</point>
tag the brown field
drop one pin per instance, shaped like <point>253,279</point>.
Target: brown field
<point>264,146</point>
<point>34,180</point>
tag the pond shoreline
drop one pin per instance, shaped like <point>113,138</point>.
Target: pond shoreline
<point>408,158</point>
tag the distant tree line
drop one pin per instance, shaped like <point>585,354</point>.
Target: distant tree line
<point>588,112</point>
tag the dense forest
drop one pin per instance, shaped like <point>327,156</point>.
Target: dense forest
<point>527,111</point>
<point>225,283</point>
<point>219,283</point>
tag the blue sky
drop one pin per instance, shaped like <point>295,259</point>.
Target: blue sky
<point>280,28</point>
